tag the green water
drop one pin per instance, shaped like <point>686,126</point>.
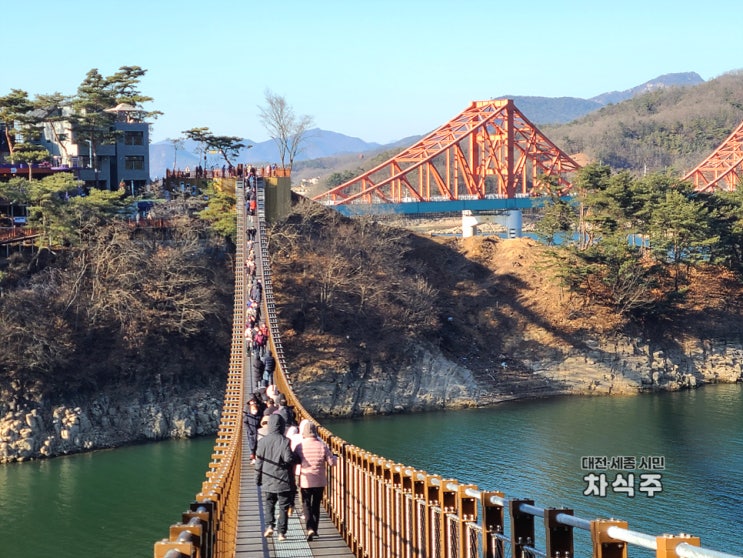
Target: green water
<point>116,504</point>
<point>113,503</point>
<point>534,449</point>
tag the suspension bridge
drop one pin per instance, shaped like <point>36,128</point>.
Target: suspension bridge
<point>488,157</point>
<point>373,507</point>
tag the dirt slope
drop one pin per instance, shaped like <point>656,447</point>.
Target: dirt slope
<point>502,313</point>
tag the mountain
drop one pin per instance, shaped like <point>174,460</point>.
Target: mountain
<point>323,144</point>
<point>560,110</point>
<point>658,129</point>
<point>683,79</point>
<point>553,110</point>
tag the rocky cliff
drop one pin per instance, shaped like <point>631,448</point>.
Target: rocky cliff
<point>37,430</point>
<point>427,380</point>
<point>424,380</point>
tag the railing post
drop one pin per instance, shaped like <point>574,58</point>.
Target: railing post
<point>433,526</point>
<point>466,513</point>
<point>332,496</point>
<point>493,522</point>
<point>369,508</point>
<point>666,544</point>
<point>522,527</point>
<point>192,532</point>
<point>558,537</point>
<point>174,549</point>
<point>605,546</point>
<point>357,488</point>
<point>377,537</point>
<point>201,512</point>
<point>393,510</point>
<point>448,502</point>
<point>408,530</point>
<point>342,476</point>
<point>419,489</point>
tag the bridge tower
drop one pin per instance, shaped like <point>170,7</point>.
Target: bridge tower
<point>723,169</point>
<point>489,151</point>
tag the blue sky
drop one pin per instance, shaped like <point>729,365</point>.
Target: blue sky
<point>379,70</point>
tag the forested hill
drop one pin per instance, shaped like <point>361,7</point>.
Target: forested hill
<point>668,129</point>
<point>561,110</point>
<point>379,319</point>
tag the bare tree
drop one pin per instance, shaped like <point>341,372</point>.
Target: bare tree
<point>177,144</point>
<point>352,273</point>
<point>285,128</point>
<point>150,289</point>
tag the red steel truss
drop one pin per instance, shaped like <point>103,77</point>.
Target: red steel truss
<point>489,150</point>
<point>722,170</point>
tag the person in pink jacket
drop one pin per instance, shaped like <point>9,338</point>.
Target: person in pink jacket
<point>313,454</point>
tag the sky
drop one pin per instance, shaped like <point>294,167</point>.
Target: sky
<point>379,70</point>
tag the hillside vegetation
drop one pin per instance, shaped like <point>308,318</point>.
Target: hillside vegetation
<point>670,129</point>
<point>104,307</point>
<point>121,312</point>
<point>100,305</point>
<point>356,298</point>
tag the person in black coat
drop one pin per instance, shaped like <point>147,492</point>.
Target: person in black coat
<point>256,291</point>
<point>269,364</point>
<point>286,412</point>
<point>274,469</point>
<point>258,370</point>
<point>252,422</point>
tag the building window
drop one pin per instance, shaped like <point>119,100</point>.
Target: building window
<point>134,162</point>
<point>134,138</point>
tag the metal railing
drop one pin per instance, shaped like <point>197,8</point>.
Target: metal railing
<point>384,509</point>
<point>17,234</point>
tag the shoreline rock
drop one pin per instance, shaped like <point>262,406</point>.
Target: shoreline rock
<point>42,430</point>
<point>425,380</point>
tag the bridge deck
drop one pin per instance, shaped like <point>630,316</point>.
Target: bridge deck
<point>251,524</point>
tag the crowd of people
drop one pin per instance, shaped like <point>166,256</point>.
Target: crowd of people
<point>226,171</point>
<point>256,330</point>
<point>289,458</point>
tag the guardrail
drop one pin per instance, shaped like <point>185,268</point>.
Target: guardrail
<point>17,234</point>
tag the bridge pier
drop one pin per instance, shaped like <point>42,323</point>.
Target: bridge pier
<point>511,219</point>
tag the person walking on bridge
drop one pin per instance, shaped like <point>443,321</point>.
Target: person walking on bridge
<point>313,454</point>
<point>274,467</point>
<point>252,423</point>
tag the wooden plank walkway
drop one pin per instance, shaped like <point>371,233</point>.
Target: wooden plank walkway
<point>251,524</point>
